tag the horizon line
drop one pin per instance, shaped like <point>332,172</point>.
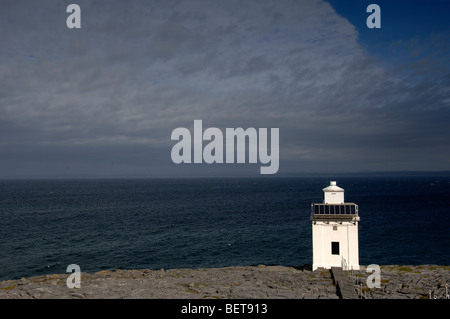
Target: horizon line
<point>204,176</point>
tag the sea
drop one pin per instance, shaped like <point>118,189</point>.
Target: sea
<point>105,224</point>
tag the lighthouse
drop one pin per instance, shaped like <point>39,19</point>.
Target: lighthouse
<point>335,231</point>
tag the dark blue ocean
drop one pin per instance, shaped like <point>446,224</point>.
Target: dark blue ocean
<point>45,225</point>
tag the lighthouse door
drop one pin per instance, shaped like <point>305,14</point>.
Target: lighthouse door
<point>335,248</point>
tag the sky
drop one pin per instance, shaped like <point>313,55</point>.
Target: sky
<point>103,100</point>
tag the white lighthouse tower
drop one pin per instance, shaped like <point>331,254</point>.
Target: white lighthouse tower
<point>335,231</point>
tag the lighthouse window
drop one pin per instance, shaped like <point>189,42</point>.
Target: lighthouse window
<point>335,248</point>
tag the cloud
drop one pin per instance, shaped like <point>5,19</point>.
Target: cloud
<point>137,70</point>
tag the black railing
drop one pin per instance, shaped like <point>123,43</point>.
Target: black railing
<point>334,209</point>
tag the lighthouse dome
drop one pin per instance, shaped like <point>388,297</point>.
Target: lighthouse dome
<point>333,188</point>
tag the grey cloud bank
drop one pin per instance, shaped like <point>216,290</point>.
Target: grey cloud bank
<point>103,100</point>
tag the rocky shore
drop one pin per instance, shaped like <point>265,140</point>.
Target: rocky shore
<point>242,282</point>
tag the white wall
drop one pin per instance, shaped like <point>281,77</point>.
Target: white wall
<point>333,197</point>
<point>347,236</point>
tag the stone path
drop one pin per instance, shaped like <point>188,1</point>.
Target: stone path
<point>344,284</point>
